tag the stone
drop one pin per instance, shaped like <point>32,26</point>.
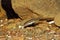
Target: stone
<point>46,8</point>
<point>57,19</point>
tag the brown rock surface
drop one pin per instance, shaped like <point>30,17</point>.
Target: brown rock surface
<point>57,19</point>
<point>47,8</point>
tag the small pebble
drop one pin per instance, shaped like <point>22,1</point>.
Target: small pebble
<point>6,19</point>
<point>1,21</point>
<point>1,25</point>
<point>21,27</point>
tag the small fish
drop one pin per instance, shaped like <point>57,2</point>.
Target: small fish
<point>33,21</point>
<point>28,23</point>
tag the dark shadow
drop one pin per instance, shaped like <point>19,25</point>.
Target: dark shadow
<point>7,6</point>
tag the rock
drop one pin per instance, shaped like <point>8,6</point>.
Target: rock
<point>57,20</point>
<point>47,8</point>
<point>21,10</point>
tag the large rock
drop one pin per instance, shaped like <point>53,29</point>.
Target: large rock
<point>22,10</point>
<point>57,20</point>
<point>57,17</point>
<point>46,8</point>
